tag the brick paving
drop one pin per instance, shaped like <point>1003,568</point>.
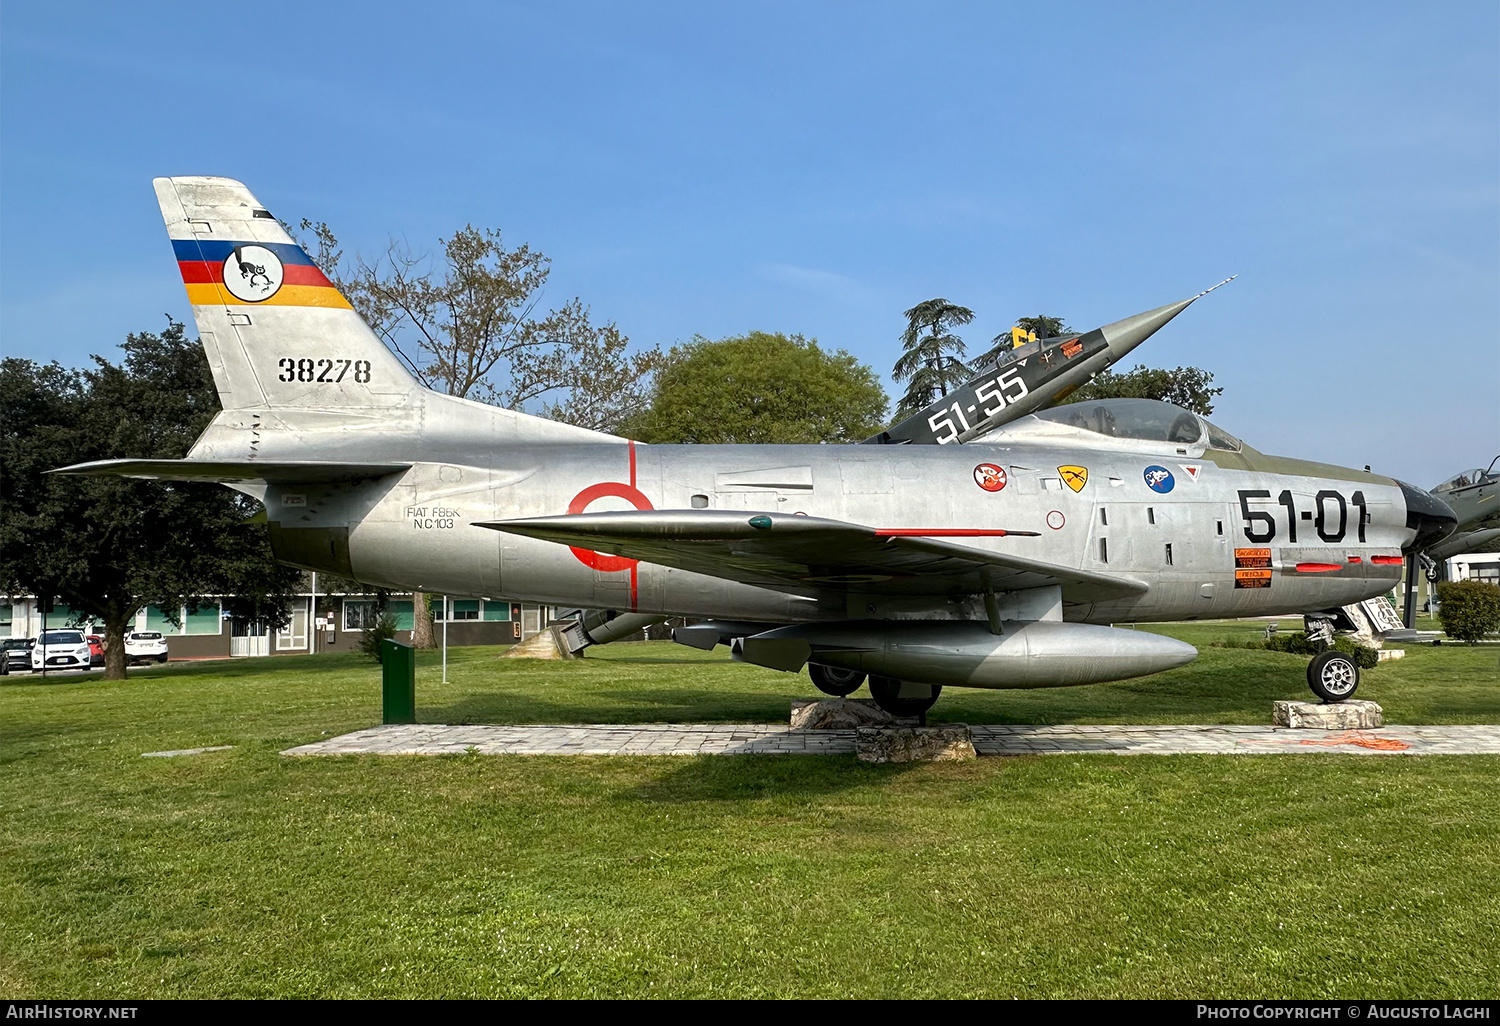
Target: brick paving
<point>989,739</point>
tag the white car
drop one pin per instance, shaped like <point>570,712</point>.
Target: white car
<point>145,647</point>
<point>60,648</point>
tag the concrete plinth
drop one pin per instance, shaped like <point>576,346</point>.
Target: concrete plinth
<point>1326,715</point>
<point>844,714</point>
<point>951,743</point>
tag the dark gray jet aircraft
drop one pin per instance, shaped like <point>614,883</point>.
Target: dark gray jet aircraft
<point>997,564</point>
<point>1032,375</point>
<point>1474,496</point>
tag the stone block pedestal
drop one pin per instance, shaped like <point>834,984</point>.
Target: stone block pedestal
<point>1326,715</point>
<point>950,743</point>
<point>844,714</point>
<point>547,643</point>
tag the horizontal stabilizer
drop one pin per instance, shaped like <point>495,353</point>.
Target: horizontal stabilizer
<point>799,553</point>
<point>276,472</point>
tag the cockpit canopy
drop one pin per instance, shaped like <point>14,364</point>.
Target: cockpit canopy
<point>1468,479</point>
<point>1143,420</point>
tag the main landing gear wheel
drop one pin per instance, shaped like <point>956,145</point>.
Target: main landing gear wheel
<point>887,694</point>
<point>835,680</point>
<point>1332,675</point>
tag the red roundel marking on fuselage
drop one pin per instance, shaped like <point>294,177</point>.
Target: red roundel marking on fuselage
<point>615,489</point>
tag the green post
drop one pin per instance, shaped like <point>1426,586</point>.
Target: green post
<point>398,672</point>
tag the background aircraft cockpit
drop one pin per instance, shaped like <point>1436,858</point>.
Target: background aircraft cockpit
<point>1469,479</point>
<point>1161,426</point>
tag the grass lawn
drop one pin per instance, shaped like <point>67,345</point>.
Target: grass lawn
<point>243,873</point>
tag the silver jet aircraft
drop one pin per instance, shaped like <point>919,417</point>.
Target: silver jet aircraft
<point>997,564</point>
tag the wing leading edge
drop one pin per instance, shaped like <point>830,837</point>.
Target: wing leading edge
<point>797,552</point>
<point>272,472</point>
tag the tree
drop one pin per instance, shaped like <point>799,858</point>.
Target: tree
<point>1041,325</point>
<point>761,387</point>
<point>380,629</point>
<point>111,546</point>
<point>929,362</point>
<point>1188,387</point>
<point>471,327</point>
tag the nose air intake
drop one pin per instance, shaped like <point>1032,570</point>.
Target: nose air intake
<point>1431,517</point>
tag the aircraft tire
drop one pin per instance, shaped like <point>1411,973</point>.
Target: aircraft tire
<point>1333,676</point>
<point>887,694</point>
<point>835,680</point>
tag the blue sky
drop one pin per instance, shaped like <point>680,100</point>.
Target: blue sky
<point>818,168</point>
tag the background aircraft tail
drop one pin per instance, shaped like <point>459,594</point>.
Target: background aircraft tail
<point>276,331</point>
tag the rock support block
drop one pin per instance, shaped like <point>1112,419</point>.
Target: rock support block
<point>548,643</point>
<point>952,743</point>
<point>1326,715</point>
<point>844,714</point>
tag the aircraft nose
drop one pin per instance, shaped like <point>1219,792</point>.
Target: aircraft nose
<point>1123,336</point>
<point>1431,517</point>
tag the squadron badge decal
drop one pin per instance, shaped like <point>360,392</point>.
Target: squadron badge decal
<point>1074,477</point>
<point>1159,479</point>
<point>989,477</point>
<point>252,274</point>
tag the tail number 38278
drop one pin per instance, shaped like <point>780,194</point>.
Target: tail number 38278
<point>324,371</point>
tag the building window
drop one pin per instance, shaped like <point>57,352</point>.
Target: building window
<point>496,610</point>
<point>402,610</point>
<point>459,609</point>
<point>156,620</point>
<point>359,614</point>
<point>206,619</point>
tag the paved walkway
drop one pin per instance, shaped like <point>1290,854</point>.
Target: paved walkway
<point>771,739</point>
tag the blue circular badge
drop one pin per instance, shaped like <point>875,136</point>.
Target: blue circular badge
<point>1159,479</point>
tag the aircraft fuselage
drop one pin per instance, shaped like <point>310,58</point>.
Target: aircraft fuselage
<point>1210,540</point>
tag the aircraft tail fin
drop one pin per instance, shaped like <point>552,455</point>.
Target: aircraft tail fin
<point>276,331</point>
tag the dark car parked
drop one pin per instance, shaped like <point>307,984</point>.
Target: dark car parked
<point>16,654</point>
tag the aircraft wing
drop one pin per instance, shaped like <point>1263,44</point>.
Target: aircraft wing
<point>798,553</point>
<point>271,471</point>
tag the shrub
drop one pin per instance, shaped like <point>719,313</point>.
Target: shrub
<point>1468,610</point>
<point>1296,643</point>
<point>382,628</point>
<point>1364,656</point>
